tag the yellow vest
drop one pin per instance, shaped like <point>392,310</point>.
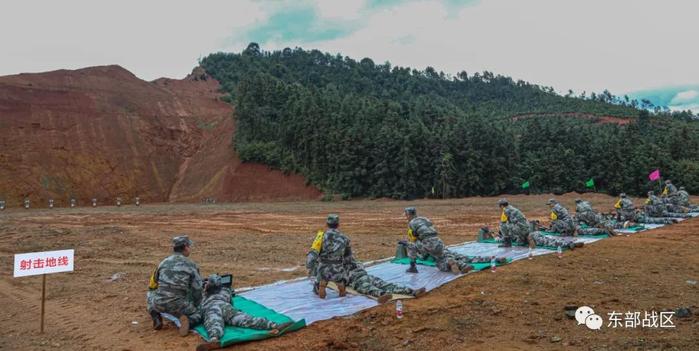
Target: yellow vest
<point>618,204</point>
<point>153,282</point>
<point>553,216</point>
<point>647,201</point>
<point>665,191</point>
<point>318,241</point>
<point>503,217</point>
<point>411,236</point>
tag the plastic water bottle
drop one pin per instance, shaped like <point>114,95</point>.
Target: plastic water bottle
<point>399,309</point>
<point>492,264</point>
<point>531,254</point>
<point>559,251</point>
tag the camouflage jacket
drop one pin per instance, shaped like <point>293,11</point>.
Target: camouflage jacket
<point>515,216</point>
<point>178,277</point>
<point>583,206</point>
<point>422,228</point>
<point>627,204</point>
<point>355,270</point>
<point>221,297</point>
<point>561,212</point>
<point>670,190</point>
<point>683,196</point>
<point>335,248</point>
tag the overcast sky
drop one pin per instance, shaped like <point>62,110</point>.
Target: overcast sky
<point>630,46</point>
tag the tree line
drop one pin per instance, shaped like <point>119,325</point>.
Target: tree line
<point>356,128</point>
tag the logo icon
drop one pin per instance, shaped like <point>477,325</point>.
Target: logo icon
<point>586,315</point>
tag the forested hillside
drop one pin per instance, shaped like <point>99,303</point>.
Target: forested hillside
<point>358,128</point>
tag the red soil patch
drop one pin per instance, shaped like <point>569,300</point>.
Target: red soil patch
<point>102,132</point>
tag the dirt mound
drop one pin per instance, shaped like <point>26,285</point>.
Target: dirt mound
<point>102,132</point>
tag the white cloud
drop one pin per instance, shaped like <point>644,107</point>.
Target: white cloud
<point>568,44</point>
<point>685,97</point>
<point>152,38</point>
<point>340,9</point>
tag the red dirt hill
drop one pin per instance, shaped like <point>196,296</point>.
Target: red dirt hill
<point>102,132</point>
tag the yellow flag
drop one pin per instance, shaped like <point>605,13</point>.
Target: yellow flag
<point>503,217</point>
<point>618,204</point>
<point>318,241</point>
<point>411,236</point>
<point>553,216</point>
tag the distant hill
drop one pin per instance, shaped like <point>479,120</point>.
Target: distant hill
<point>102,132</point>
<point>358,128</point>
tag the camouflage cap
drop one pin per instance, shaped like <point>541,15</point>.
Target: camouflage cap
<point>552,202</point>
<point>333,219</point>
<point>503,202</point>
<point>214,280</point>
<point>577,201</point>
<point>411,211</point>
<point>622,195</point>
<point>668,181</point>
<point>650,193</point>
<point>681,188</point>
<point>181,241</point>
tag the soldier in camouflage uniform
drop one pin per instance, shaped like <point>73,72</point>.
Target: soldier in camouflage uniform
<point>330,253</point>
<point>625,209</point>
<point>683,200</point>
<point>176,287</point>
<point>584,213</point>
<point>540,239</point>
<point>463,263</point>
<point>655,207</point>
<point>218,311</point>
<point>561,221</point>
<point>367,284</point>
<point>423,241</point>
<point>514,227</point>
<point>670,194</point>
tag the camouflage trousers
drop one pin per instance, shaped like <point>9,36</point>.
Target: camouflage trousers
<point>626,215</point>
<point>331,272</point>
<point>516,232</point>
<point>589,217</point>
<point>591,231</point>
<point>375,286</point>
<point>432,246</point>
<point>540,239</point>
<point>462,261</point>
<point>563,226</point>
<point>174,306</point>
<point>218,315</point>
<point>646,219</point>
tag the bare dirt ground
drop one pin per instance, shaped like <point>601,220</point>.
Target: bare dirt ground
<point>520,307</point>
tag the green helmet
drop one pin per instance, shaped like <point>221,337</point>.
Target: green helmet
<point>411,211</point>
<point>333,219</point>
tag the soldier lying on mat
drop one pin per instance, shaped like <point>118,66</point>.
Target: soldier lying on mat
<point>218,312</point>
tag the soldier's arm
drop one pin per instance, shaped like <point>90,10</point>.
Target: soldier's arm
<point>197,286</point>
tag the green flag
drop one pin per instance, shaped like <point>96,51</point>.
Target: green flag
<point>590,183</point>
<point>525,185</point>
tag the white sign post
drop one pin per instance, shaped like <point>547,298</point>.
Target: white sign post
<point>43,263</point>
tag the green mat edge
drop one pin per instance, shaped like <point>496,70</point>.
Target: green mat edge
<point>479,266</point>
<point>253,334</point>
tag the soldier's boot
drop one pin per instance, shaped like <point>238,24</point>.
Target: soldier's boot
<point>322,285</point>
<point>467,268</point>
<point>507,242</point>
<point>184,325</point>
<point>315,288</point>
<point>213,344</point>
<point>281,328</point>
<point>453,266</point>
<point>420,292</point>
<point>385,298</point>
<point>413,267</point>
<point>342,291</point>
<point>579,245</point>
<point>501,260</point>
<point>157,320</point>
